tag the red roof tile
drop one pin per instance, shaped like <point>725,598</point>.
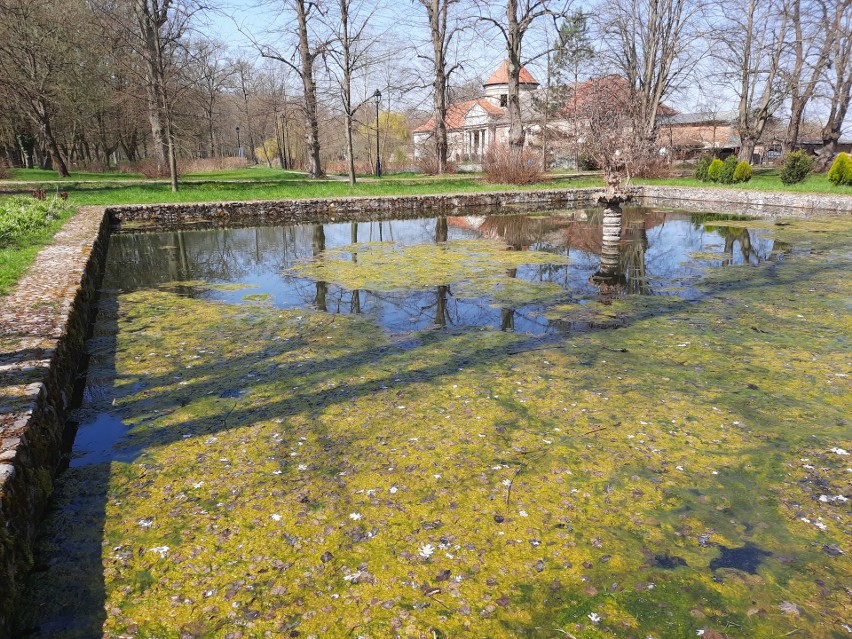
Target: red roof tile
<point>457,112</point>
<point>501,76</point>
<point>612,90</point>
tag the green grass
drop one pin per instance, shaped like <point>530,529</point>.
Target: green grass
<point>217,191</point>
<point>761,181</point>
<point>25,226</point>
<point>42,175</point>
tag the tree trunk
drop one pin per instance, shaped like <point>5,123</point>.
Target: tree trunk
<point>53,148</point>
<point>310,89</point>
<point>841,85</point>
<point>747,145</point>
<point>279,137</point>
<point>437,11</point>
<point>347,88</point>
<point>801,90</point>
<point>513,70</point>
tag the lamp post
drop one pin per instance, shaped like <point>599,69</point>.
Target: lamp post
<point>239,146</point>
<point>378,96</point>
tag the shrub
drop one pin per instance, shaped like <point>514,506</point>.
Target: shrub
<point>728,167</point>
<point>152,169</point>
<point>505,165</point>
<point>796,167</point>
<point>651,168</point>
<point>206,165</point>
<point>742,173</point>
<point>4,169</point>
<point>840,173</point>
<point>700,172</point>
<point>714,171</point>
<point>427,163</point>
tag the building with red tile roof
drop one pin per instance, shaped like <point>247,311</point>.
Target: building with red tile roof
<point>473,125</point>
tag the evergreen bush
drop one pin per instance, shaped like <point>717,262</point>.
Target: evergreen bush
<point>742,173</point>
<point>797,166</point>
<point>840,173</point>
<point>714,171</point>
<point>700,172</point>
<point>728,168</point>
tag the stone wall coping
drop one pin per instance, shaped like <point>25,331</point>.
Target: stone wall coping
<point>43,329</point>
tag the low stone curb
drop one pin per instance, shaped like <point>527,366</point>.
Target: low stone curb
<point>725,200</point>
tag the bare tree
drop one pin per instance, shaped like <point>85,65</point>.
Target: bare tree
<point>37,62</point>
<point>815,29</point>
<point>839,81</point>
<point>442,30</point>
<point>212,77</point>
<point>750,47</point>
<point>308,49</point>
<point>651,43</point>
<point>519,17</point>
<point>349,52</point>
<point>244,77</point>
<point>161,25</point>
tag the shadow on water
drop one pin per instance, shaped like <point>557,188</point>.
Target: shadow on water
<point>748,558</point>
<point>66,594</point>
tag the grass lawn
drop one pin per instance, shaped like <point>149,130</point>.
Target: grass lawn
<point>25,226</point>
<point>761,181</point>
<point>42,175</point>
<point>291,186</point>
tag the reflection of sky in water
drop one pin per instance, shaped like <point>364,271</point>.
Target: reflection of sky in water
<point>656,249</point>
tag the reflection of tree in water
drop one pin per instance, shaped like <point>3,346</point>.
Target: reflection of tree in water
<point>442,314</point>
<point>355,301</point>
<point>748,248</point>
<point>317,247</point>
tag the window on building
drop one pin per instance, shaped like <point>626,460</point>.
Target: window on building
<point>504,99</point>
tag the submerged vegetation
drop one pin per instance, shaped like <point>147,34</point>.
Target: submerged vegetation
<point>291,472</point>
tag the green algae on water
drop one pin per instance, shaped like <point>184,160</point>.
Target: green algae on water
<point>301,472</point>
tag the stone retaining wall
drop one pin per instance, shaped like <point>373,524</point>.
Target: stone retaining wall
<point>43,330</point>
<point>349,209</point>
<point>745,202</point>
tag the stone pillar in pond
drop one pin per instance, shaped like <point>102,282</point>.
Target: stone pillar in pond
<point>610,279</point>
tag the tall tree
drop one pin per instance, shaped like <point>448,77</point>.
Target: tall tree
<point>349,50</point>
<point>815,27</point>
<point>213,75</point>
<point>571,52</point>
<point>750,46</point>
<point>308,50</point>
<point>442,30</point>
<point>244,73</point>
<point>40,46</point>
<point>839,82</point>
<point>513,26</point>
<point>651,43</point>
<point>160,27</point>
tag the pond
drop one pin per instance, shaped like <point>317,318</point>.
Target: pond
<point>496,426</point>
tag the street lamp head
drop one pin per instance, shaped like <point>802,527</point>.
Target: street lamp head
<point>377,95</point>
<point>238,129</point>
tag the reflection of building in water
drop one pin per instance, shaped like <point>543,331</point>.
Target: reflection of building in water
<point>621,242</point>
